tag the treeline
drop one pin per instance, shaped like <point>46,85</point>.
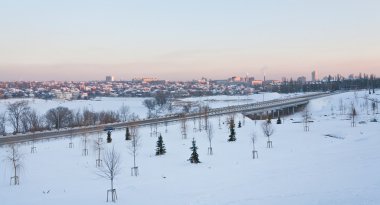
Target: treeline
<point>367,82</point>
<point>22,118</point>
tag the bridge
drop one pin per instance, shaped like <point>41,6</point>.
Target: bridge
<point>258,110</point>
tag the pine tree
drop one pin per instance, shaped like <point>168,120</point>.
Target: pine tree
<point>232,131</point>
<point>109,139</point>
<point>194,155</point>
<point>127,134</point>
<point>160,150</point>
<point>279,120</point>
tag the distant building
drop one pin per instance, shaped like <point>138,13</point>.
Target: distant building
<point>149,80</point>
<point>109,78</point>
<point>257,82</point>
<point>236,79</point>
<point>314,76</point>
<point>301,80</point>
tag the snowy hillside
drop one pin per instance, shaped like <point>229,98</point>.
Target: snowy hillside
<point>301,168</point>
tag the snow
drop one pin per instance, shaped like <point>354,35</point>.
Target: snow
<point>135,104</point>
<point>302,168</point>
<point>102,104</point>
<point>225,100</point>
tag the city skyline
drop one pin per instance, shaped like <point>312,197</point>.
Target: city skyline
<point>183,41</point>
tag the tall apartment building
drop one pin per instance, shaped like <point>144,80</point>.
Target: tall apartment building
<point>109,78</point>
<point>314,76</point>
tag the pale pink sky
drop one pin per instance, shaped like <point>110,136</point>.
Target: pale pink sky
<point>174,40</point>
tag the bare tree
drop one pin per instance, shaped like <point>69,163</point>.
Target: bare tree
<point>183,125</point>
<point>186,107</point>
<point>124,112</point>
<point>375,106</point>
<point>15,157</point>
<point>110,169</point>
<point>170,107</point>
<point>341,106</point>
<point>59,117</point>
<point>134,117</point>
<point>71,143</point>
<point>206,110</point>
<point>3,122</point>
<point>166,126</point>
<point>98,148</point>
<point>353,115</point>
<point>306,118</point>
<point>268,131</point>
<point>89,117</point>
<point>210,136</point>
<point>356,97</point>
<point>151,130</point>
<point>85,142</point>
<point>78,119</point>
<point>194,124</point>
<point>150,104</point>
<point>106,117</point>
<point>133,148</point>
<point>255,154</point>
<point>25,125</point>
<point>16,111</point>
<point>219,122</point>
<point>33,149</point>
<point>36,122</point>
<point>200,118</point>
<point>366,103</point>
<point>203,115</point>
<point>161,98</point>
<point>155,129</point>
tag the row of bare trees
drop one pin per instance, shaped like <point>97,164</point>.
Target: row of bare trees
<point>22,118</point>
<point>158,102</point>
<point>109,167</point>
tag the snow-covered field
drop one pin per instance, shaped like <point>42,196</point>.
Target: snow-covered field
<point>102,104</point>
<point>224,100</point>
<point>302,168</point>
<point>136,104</point>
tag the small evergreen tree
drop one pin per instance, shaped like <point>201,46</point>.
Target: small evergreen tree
<point>127,134</point>
<point>109,139</point>
<point>232,136</point>
<point>279,120</point>
<point>160,150</point>
<point>194,155</point>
